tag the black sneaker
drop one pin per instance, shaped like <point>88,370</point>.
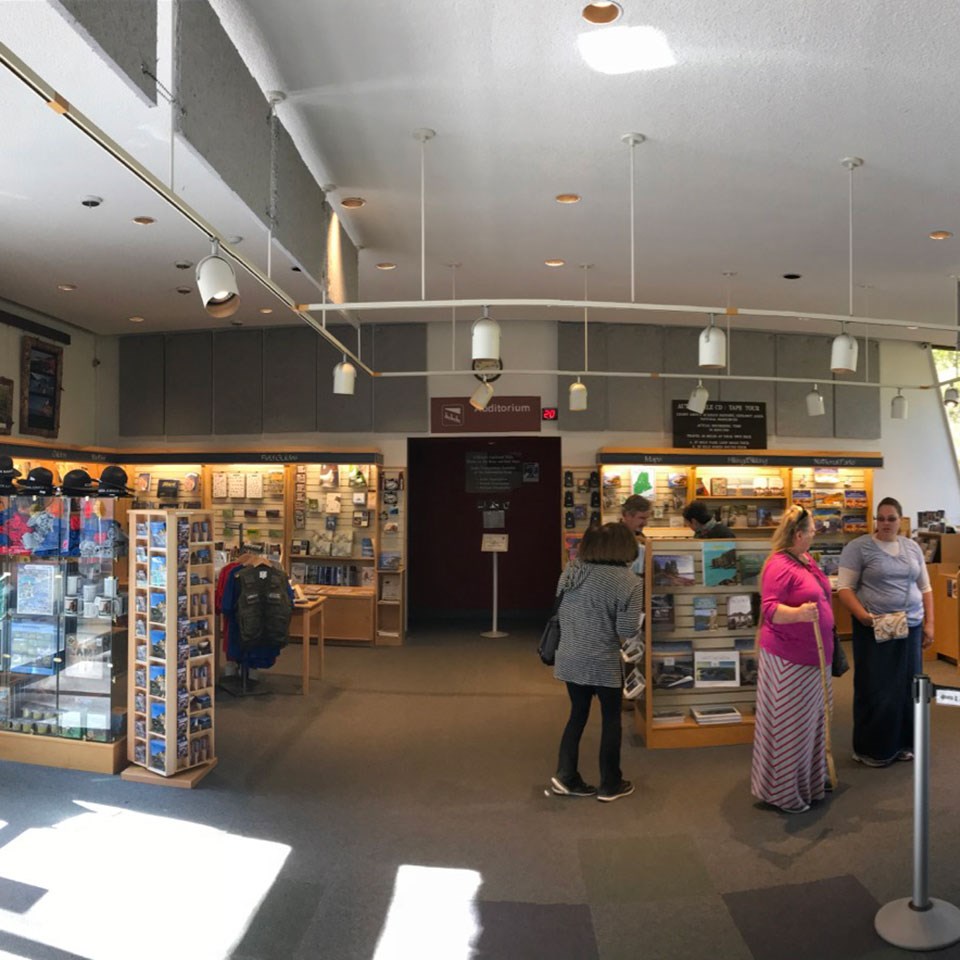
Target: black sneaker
<point>624,790</point>
<point>577,789</point>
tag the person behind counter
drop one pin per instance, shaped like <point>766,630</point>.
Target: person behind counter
<point>634,514</point>
<point>704,524</point>
<point>884,573</point>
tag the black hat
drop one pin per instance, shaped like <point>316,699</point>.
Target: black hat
<point>38,480</point>
<point>78,483</point>
<point>113,482</point>
<point>7,469</point>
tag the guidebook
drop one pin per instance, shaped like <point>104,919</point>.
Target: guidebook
<point>673,570</point>
<point>719,563</point>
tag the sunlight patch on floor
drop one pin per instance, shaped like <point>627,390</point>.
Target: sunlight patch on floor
<point>432,915</point>
<point>122,884</point>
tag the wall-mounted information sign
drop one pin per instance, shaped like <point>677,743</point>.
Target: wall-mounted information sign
<point>722,426</point>
<point>488,472</point>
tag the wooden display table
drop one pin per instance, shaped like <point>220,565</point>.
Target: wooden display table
<point>349,614</point>
<point>307,622</point>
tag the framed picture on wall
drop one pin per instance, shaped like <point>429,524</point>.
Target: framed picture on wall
<point>41,373</point>
<point>6,405</point>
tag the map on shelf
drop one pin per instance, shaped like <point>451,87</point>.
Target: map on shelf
<point>643,480</point>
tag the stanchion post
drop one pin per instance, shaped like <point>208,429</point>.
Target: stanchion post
<point>494,633</point>
<point>920,922</point>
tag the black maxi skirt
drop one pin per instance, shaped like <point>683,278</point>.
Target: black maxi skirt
<point>883,692</point>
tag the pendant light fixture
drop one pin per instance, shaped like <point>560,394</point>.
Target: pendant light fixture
<point>577,401</point>
<point>481,396</point>
<point>713,346</point>
<point>217,284</point>
<point>485,347</point>
<point>845,349</point>
<point>951,397</point>
<point>898,406</point>
<point>698,398</point>
<point>815,404</point>
<point>344,377</point>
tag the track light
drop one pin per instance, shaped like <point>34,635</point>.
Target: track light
<point>898,406</point>
<point>698,398</point>
<point>951,397</point>
<point>486,340</point>
<point>713,346</point>
<point>344,377</point>
<point>217,284</point>
<point>815,405</point>
<point>578,396</point>
<point>843,354</point>
<point>481,396</point>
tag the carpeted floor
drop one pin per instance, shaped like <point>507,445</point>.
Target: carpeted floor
<point>399,811</point>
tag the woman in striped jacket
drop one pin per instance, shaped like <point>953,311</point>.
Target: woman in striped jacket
<point>789,740</point>
<point>602,602</point>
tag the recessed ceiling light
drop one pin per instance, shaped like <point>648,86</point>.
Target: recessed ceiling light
<point>352,202</point>
<point>554,263</point>
<point>183,264</point>
<point>386,265</point>
<point>296,269</point>
<point>792,276</point>
<point>144,221</point>
<point>619,50</point>
<point>266,310</point>
<point>236,323</point>
<point>135,319</point>
<point>940,235</point>
<point>184,290</point>
<point>92,201</point>
<point>235,239</point>
<point>66,287</point>
<point>567,198</point>
<point>600,12</point>
<point>913,328</point>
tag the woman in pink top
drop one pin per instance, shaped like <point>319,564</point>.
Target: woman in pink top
<point>789,744</point>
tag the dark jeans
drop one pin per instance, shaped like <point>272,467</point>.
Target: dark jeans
<point>883,692</point>
<point>610,707</point>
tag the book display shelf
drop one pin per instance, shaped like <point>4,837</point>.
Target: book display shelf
<point>702,611</point>
<point>666,486</point>
<point>248,504</point>
<point>334,544</point>
<point>166,486</point>
<point>579,506</point>
<point>391,567</point>
<point>63,615</point>
<point>171,643</point>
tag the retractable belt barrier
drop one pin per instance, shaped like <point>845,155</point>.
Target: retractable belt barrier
<point>921,922</point>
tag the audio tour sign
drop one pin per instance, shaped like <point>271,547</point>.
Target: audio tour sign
<point>722,426</point>
<point>501,415</point>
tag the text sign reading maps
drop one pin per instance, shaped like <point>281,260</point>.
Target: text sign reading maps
<point>723,425</point>
<point>490,472</point>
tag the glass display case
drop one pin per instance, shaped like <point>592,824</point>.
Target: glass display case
<point>63,610</point>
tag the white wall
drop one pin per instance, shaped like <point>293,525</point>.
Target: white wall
<point>81,382</point>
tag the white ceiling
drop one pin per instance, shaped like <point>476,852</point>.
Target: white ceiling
<point>740,172</point>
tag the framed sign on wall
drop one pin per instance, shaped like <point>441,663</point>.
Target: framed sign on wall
<point>6,405</point>
<point>41,373</point>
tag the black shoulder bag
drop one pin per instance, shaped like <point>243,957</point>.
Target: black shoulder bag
<point>550,639</point>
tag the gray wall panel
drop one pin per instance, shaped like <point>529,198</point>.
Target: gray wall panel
<point>237,381</point>
<point>570,357</point>
<point>289,380</point>
<point>808,357</point>
<point>141,385</point>
<point>634,403</point>
<point>225,113</point>
<point>342,413</point>
<point>753,355</point>
<point>125,32</point>
<point>400,405</point>
<point>188,384</point>
<point>301,213</point>
<point>857,409</point>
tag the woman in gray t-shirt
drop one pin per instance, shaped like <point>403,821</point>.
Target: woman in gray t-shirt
<point>885,573</point>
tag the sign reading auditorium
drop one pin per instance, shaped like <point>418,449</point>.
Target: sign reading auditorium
<point>501,415</point>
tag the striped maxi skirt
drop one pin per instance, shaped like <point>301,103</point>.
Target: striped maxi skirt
<point>789,739</point>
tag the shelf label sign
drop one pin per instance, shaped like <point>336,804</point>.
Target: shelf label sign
<point>724,425</point>
<point>500,415</point>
